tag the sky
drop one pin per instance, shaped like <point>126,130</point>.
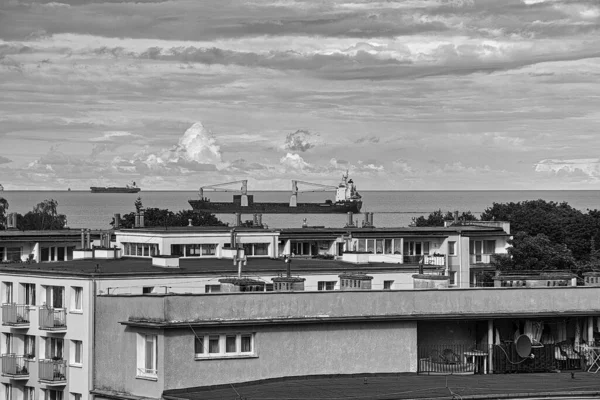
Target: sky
<point>405,95</point>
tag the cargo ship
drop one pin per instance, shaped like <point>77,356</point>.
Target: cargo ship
<point>112,189</point>
<point>347,199</point>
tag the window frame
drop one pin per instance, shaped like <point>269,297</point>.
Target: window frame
<point>141,371</point>
<point>202,341</point>
<point>74,291</point>
<point>73,358</point>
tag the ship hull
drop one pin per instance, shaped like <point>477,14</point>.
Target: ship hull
<point>276,208</point>
<point>114,190</point>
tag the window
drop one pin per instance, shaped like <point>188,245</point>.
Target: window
<point>50,394</point>
<point>147,289</point>
<point>260,249</point>
<point>29,346</point>
<point>212,288</point>
<point>198,250</point>
<point>489,246</point>
<point>7,288</point>
<point>387,285</point>
<point>7,391</point>
<point>77,298</point>
<point>387,248</point>
<point>54,348</point>
<point>28,393</point>
<point>223,345</point>
<point>451,248</point>
<point>76,352</point>
<point>140,249</point>
<point>13,254</point>
<point>452,277</point>
<point>147,355</point>
<point>55,296</point>
<point>177,250</point>
<point>7,343</point>
<point>29,292</point>
<point>326,285</point>
<point>75,396</point>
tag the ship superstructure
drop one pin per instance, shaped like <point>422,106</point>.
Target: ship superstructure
<point>347,199</point>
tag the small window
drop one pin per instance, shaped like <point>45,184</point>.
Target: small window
<point>452,277</point>
<point>451,248</point>
<point>213,344</point>
<point>75,396</point>
<point>199,345</point>
<point>223,346</point>
<point>29,293</point>
<point>387,285</point>
<point>77,301</point>
<point>147,355</point>
<point>76,351</point>
<point>29,346</point>
<point>147,289</point>
<point>50,394</point>
<point>7,288</point>
<point>212,288</point>
<point>230,344</point>
<point>326,285</point>
<point>246,344</point>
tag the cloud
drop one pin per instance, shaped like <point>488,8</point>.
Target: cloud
<point>294,162</point>
<point>402,166</point>
<point>299,141</point>
<point>590,167</point>
<point>114,135</point>
<point>5,160</point>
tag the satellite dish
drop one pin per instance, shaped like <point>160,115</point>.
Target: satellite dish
<point>523,346</point>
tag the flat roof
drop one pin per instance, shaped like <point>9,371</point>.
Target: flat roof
<point>206,266</point>
<point>402,386</point>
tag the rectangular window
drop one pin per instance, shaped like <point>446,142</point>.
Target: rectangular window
<point>54,348</point>
<point>387,285</point>
<point>55,296</point>
<point>230,344</point>
<point>362,245</point>
<point>7,288</point>
<point>7,391</point>
<point>147,289</point>
<point>177,250</point>
<point>261,249</point>
<point>223,345</point>
<point>75,396</point>
<point>13,254</point>
<point>29,292</point>
<point>209,249</point>
<point>28,393</point>
<point>50,394</point>
<point>29,346</point>
<point>370,246</point>
<point>76,351</point>
<point>77,294</point>
<point>379,246</point>
<point>326,285</point>
<point>489,246</point>
<point>7,343</point>
<point>398,246</point>
<point>451,248</point>
<point>452,277</point>
<point>213,344</point>
<point>147,355</point>
<point>387,247</point>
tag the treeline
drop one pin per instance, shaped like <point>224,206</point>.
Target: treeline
<point>546,235</point>
<point>44,216</point>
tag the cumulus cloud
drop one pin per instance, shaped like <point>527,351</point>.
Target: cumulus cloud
<point>5,160</point>
<point>299,141</point>
<point>589,167</point>
<point>114,135</point>
<point>294,162</point>
<point>402,166</point>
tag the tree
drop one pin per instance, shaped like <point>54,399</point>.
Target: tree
<point>138,204</point>
<point>437,218</point>
<point>3,208</point>
<point>534,253</point>
<point>559,222</point>
<point>162,217</point>
<point>44,216</point>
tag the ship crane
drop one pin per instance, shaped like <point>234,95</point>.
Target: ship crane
<point>295,191</point>
<point>218,188</point>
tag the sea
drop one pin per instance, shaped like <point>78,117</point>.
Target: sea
<point>391,208</point>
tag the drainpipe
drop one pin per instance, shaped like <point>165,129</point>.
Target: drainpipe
<point>490,347</point>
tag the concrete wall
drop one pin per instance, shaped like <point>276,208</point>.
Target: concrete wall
<point>295,350</point>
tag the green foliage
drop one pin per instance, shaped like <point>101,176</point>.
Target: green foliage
<point>534,253</point>
<point>437,218</point>
<point>44,216</point>
<point>3,208</point>
<point>559,222</point>
<point>138,204</point>
<point>162,217</point>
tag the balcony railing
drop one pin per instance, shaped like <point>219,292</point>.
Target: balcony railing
<point>52,318</point>
<point>15,314</point>
<point>15,366</point>
<point>452,359</point>
<point>53,371</point>
<point>438,261</point>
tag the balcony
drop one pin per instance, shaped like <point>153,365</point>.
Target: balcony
<point>53,372</point>
<point>438,261</point>
<point>15,367</point>
<point>52,319</point>
<point>15,315</point>
<point>481,258</point>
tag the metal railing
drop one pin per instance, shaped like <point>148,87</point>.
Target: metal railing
<point>543,358</point>
<point>53,370</point>
<point>452,359</point>
<point>425,259</point>
<point>52,318</point>
<point>482,258</point>
<point>15,365</point>
<point>15,314</point>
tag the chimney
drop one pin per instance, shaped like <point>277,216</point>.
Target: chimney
<point>88,241</point>
<point>136,224</point>
<point>350,221</point>
<point>259,219</point>
<point>141,218</point>
<point>238,219</point>
<point>371,220</point>
<point>190,222</point>
<point>456,217</point>
<point>117,223</point>
<point>83,238</point>
<point>255,220</point>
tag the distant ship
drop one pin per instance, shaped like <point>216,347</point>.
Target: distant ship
<point>347,199</point>
<point>112,189</point>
